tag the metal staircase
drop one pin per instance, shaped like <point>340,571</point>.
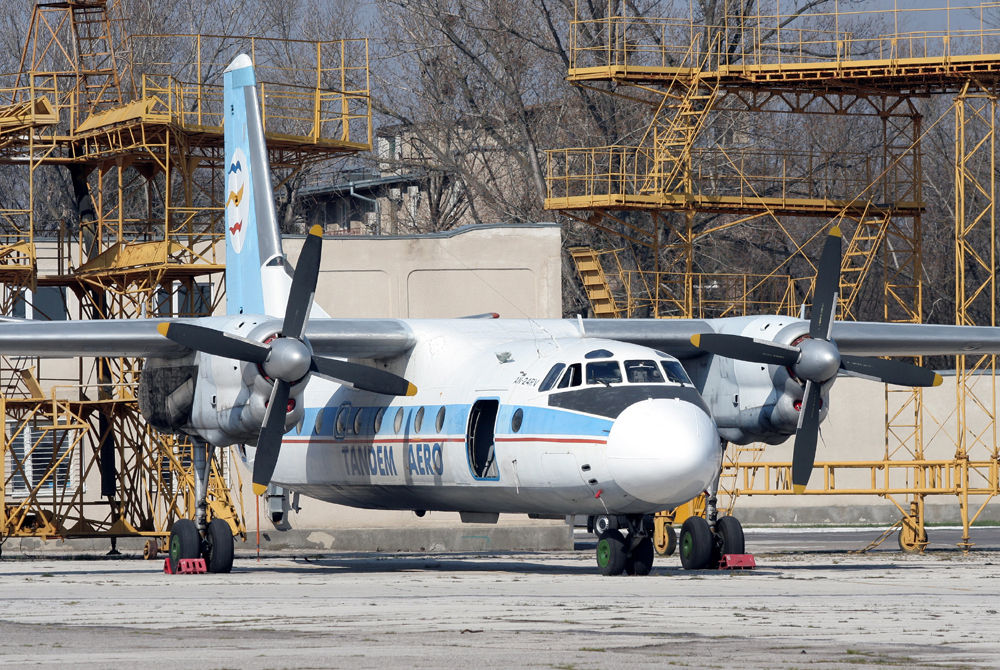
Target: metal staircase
<point>595,282</point>
<point>859,257</point>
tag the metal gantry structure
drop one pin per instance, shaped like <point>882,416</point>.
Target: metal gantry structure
<point>128,129</point>
<point>697,174</point>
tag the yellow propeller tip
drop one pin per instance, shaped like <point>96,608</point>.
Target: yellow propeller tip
<point>799,488</point>
<point>696,340</point>
<point>938,380</point>
<point>411,390</point>
<point>835,231</point>
<point>162,328</point>
<point>316,230</point>
<point>259,489</point>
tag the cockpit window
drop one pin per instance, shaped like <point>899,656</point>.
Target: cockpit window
<point>605,372</point>
<point>675,372</point>
<point>643,372</point>
<point>598,353</point>
<point>571,377</point>
<point>551,378</point>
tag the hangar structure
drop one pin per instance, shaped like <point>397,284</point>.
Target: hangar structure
<point>698,174</point>
<point>131,126</point>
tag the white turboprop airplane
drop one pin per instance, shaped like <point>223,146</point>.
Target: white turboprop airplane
<point>614,419</point>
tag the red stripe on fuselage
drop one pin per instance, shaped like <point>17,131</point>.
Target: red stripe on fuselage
<point>558,440</point>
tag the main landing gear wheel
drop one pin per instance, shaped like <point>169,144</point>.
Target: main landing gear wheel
<point>184,542</point>
<point>640,560</point>
<point>219,546</point>
<point>696,543</point>
<point>728,538</point>
<point>611,553</point>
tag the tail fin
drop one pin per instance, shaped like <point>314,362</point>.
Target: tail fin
<point>257,281</point>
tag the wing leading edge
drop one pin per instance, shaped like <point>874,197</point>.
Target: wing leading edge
<point>858,338</point>
<point>352,338</point>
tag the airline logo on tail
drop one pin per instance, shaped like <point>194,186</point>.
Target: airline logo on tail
<point>237,201</point>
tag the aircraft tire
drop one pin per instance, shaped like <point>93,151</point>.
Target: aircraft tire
<point>611,553</point>
<point>640,561</point>
<point>219,546</point>
<point>696,544</point>
<point>184,542</point>
<point>730,531</point>
<point>728,539</point>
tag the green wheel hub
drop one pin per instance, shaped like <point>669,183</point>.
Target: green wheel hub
<point>603,552</point>
<point>175,549</point>
<point>687,545</point>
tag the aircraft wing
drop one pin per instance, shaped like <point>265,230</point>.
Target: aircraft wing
<point>858,338</point>
<point>672,336</point>
<point>863,338</point>
<point>352,338</point>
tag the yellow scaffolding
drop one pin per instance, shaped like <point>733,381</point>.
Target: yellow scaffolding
<point>136,121</point>
<point>817,64</point>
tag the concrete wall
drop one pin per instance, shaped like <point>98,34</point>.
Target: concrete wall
<point>512,270</point>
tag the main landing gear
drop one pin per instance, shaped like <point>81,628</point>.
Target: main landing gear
<point>212,541</point>
<point>216,546</point>
<point>631,553</point>
<point>702,547</point>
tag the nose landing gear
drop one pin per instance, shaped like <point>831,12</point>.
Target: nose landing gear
<point>617,553</point>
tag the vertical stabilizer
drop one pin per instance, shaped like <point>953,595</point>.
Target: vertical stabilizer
<point>256,278</point>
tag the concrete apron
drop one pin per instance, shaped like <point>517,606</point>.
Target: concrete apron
<point>466,537</point>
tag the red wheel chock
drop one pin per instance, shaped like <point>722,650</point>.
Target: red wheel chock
<point>187,566</point>
<point>737,562</point>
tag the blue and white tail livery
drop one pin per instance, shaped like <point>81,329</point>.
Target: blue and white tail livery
<point>257,279</point>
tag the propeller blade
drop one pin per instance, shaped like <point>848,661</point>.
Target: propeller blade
<point>216,342</point>
<point>746,349</point>
<point>363,377</point>
<point>805,438</point>
<point>827,285</point>
<point>300,296</point>
<point>269,442</point>
<point>890,372</point>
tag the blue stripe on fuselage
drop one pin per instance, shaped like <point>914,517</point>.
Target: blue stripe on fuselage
<point>536,421</point>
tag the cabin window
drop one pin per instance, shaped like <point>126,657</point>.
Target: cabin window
<point>642,372</point>
<point>572,377</point>
<point>517,420</point>
<point>378,419</point>
<point>397,423</point>
<point>675,372</point>
<point>439,421</point>
<point>551,377</point>
<point>418,420</point>
<point>319,421</point>
<point>357,421</point>
<point>598,353</point>
<point>342,417</point>
<point>605,372</point>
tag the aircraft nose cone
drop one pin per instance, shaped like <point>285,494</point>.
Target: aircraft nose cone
<point>664,451</point>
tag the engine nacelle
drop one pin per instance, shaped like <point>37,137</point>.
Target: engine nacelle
<point>753,402</point>
<point>219,400</point>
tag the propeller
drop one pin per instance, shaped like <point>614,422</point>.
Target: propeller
<point>815,359</point>
<point>286,359</point>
